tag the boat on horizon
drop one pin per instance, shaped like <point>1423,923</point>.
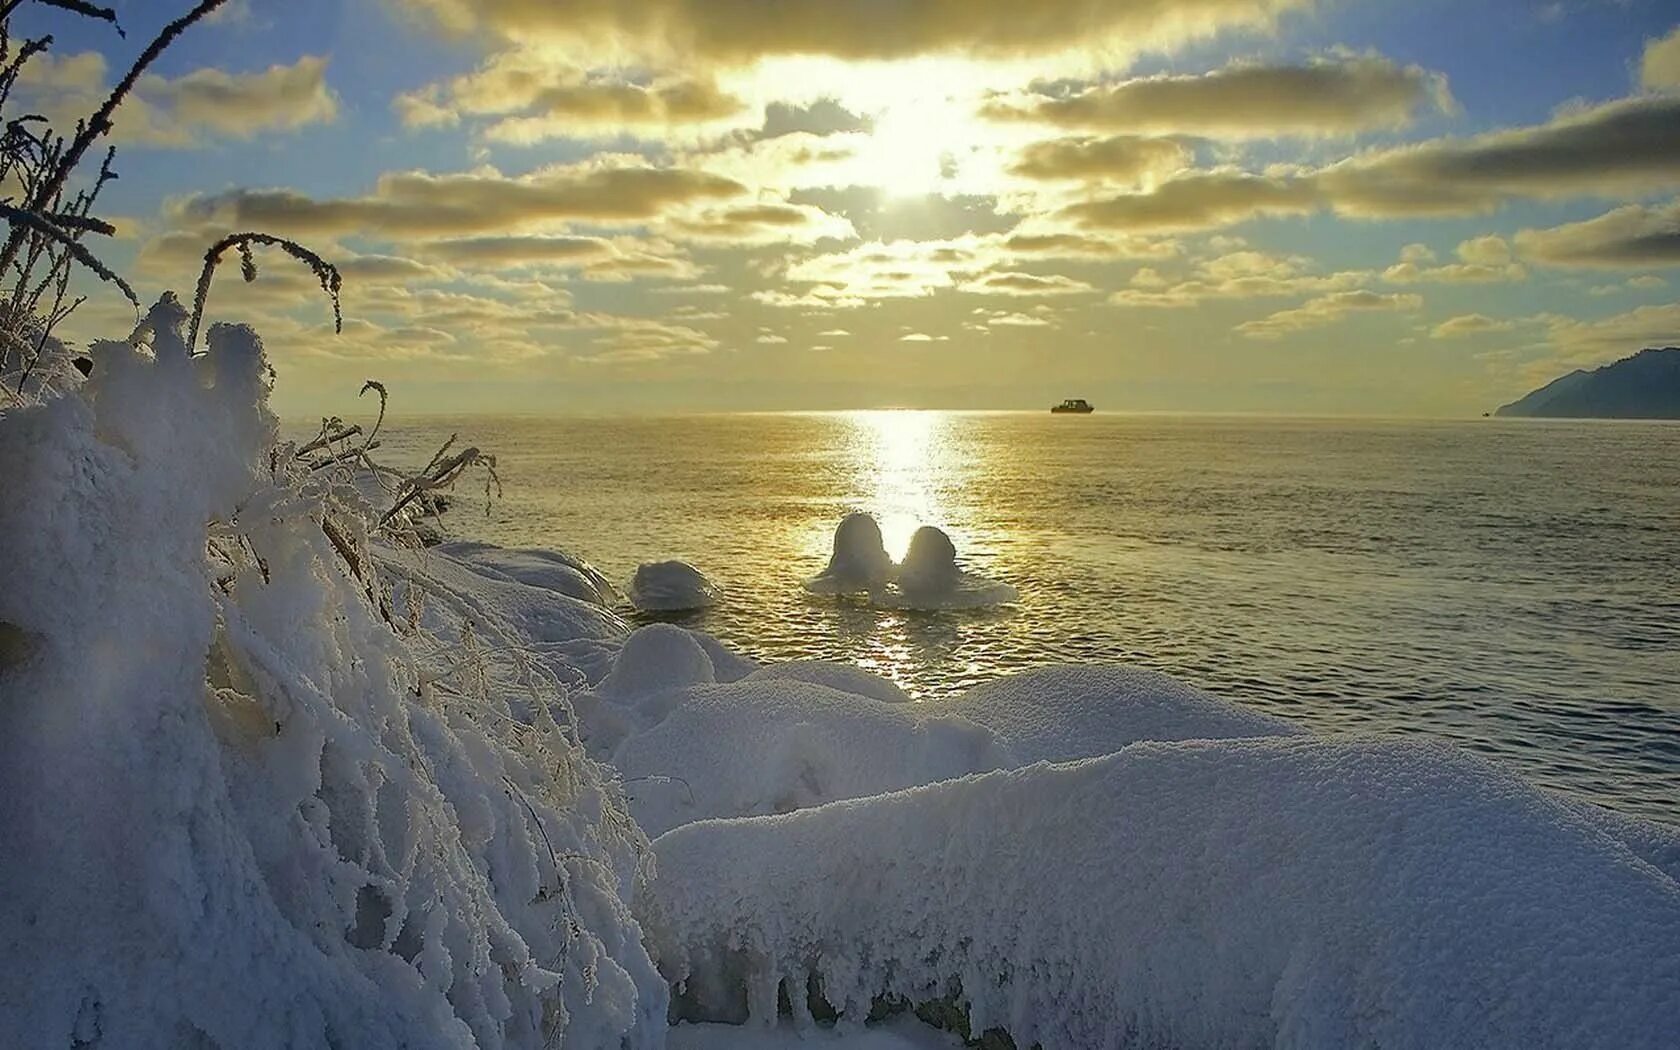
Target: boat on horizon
<point>1073,406</point>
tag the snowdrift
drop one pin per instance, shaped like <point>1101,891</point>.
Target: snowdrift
<point>1068,712</point>
<point>1264,892</point>
<point>242,809</point>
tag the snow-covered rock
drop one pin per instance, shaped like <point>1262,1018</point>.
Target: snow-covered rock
<point>672,586</point>
<point>1068,712</point>
<point>929,578</point>
<point>1264,892</point>
<point>770,745</point>
<point>550,570</point>
<point>847,678</point>
<point>859,562</point>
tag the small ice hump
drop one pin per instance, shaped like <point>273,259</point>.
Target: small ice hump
<point>859,561</point>
<point>672,586</point>
<point>929,578</point>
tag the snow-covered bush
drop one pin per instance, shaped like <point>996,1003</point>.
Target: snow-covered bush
<point>243,804</point>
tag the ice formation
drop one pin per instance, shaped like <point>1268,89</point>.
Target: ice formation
<point>929,578</point>
<point>1260,892</point>
<point>548,569</point>
<point>672,586</point>
<point>859,561</point>
<point>239,807</point>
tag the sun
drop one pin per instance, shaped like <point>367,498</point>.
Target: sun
<point>915,146</point>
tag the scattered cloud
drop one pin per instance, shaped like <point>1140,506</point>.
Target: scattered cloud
<point>1329,96</point>
<point>1325,310</point>
<point>1635,235</point>
<point>1482,260</point>
<point>1659,67</point>
<point>1467,325</point>
<point>182,112</point>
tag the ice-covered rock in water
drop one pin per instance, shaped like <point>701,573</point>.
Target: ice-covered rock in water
<point>859,562</point>
<point>1063,713</point>
<point>239,808</point>
<point>671,586</point>
<point>847,678</point>
<point>1273,891</point>
<point>929,578</point>
<point>768,745</point>
<point>550,570</point>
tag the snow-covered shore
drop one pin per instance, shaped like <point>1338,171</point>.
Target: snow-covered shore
<point>258,792</point>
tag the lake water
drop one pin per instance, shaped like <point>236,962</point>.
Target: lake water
<point>1510,585</point>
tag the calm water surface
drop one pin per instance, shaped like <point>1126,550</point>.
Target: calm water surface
<point>1510,585</point>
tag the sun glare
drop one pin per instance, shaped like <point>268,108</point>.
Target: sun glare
<point>900,457</point>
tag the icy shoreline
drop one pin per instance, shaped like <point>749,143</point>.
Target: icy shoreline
<point>262,792</point>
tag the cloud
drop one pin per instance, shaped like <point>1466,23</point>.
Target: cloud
<point>923,337</point>
<point>765,223</point>
<point>705,31</point>
<point>1484,260</point>
<point>537,98</point>
<point>419,204</point>
<point>1332,96</point>
<point>1236,275</point>
<point>1660,66</point>
<point>1610,338</point>
<point>1120,158</point>
<point>1628,145</point>
<point>1324,310</point>
<point>181,112</point>
<point>1198,200</point>
<point>1633,236</point>
<point>1024,284</point>
<point>598,258</point>
<point>1467,325</point>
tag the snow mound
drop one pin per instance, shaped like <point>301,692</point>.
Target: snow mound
<point>847,678</point>
<point>242,808</point>
<point>1263,892</point>
<point>655,659</point>
<point>549,570</point>
<point>773,745</point>
<point>859,561</point>
<point>1069,712</point>
<point>672,586</point>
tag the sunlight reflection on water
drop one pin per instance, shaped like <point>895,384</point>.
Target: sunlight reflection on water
<point>1508,585</point>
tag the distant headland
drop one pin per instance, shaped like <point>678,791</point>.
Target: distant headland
<point>1644,386</point>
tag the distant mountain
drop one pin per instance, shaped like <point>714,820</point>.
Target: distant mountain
<point>1644,386</point>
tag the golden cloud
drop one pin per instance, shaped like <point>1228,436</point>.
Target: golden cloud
<point>1325,97</point>
<point>1633,236</point>
<point>737,32</point>
<point>420,204</point>
<point>1324,310</point>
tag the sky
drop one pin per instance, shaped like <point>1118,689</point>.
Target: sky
<point>1295,206</point>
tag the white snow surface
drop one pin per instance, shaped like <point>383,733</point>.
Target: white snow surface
<point>1068,712</point>
<point>550,570</point>
<point>774,745</point>
<point>672,586</point>
<point>238,808</point>
<point>897,1033</point>
<point>1278,891</point>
